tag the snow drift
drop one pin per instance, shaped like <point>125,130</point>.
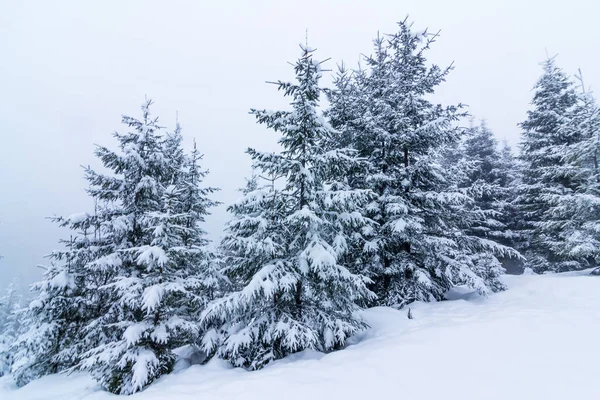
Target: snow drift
<point>538,340</point>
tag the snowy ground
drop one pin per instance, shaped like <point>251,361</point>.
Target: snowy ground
<point>538,340</point>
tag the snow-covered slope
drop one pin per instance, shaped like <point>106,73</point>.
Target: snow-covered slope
<point>538,340</point>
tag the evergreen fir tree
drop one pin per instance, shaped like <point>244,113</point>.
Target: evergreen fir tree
<point>418,249</point>
<point>50,340</point>
<point>581,209</point>
<point>155,269</point>
<point>134,275</point>
<point>344,111</point>
<point>174,154</point>
<point>194,199</point>
<point>254,238</point>
<point>10,325</point>
<point>489,178</point>
<point>284,246</point>
<point>548,180</point>
<point>509,173</point>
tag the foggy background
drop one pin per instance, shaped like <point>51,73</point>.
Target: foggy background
<point>68,70</point>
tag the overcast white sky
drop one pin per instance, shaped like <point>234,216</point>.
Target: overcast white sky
<point>69,69</point>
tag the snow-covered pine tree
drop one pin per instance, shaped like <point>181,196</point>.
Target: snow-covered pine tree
<point>581,208</point>
<point>418,249</point>
<point>254,238</point>
<point>509,173</point>
<point>174,154</point>
<point>155,280</point>
<point>345,101</point>
<point>481,149</point>
<point>547,178</point>
<point>509,178</point>
<point>191,200</point>
<point>123,294</point>
<point>51,340</point>
<point>10,325</point>
<point>489,179</point>
<point>345,114</point>
<point>195,199</point>
<point>284,246</point>
<point>193,203</point>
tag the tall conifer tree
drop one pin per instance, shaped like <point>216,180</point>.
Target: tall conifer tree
<point>286,242</point>
<point>548,179</point>
<point>418,248</point>
<point>10,325</point>
<point>127,289</point>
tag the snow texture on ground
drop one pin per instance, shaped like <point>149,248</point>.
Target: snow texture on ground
<point>538,340</point>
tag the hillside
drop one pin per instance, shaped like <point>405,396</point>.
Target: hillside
<point>538,340</point>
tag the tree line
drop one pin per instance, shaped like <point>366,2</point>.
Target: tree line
<point>383,199</point>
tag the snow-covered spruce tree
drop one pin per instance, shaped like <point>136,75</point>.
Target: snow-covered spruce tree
<point>581,209</point>
<point>10,325</point>
<point>480,148</point>
<point>489,178</point>
<point>148,265</point>
<point>418,249</point>
<point>509,173</point>
<point>284,246</point>
<point>345,102</point>
<point>255,237</point>
<point>192,204</point>
<point>50,340</point>
<point>195,199</point>
<point>174,154</point>
<point>547,177</point>
<point>466,175</point>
